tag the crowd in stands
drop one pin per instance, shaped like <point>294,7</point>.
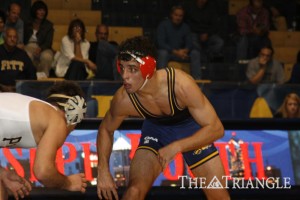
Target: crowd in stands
<point>190,34</point>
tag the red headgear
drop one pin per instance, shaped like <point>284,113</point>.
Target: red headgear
<point>147,64</point>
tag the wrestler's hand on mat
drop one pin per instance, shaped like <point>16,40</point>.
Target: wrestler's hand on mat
<point>16,185</point>
<point>167,154</point>
<point>106,187</point>
<point>76,182</point>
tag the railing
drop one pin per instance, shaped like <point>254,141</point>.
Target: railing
<point>231,100</point>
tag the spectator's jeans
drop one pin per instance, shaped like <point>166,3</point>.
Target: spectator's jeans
<point>248,46</point>
<point>212,47</point>
<point>163,57</point>
<point>76,71</point>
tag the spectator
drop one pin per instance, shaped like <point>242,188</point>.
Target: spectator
<point>2,22</point>
<point>15,63</point>
<point>290,107</point>
<point>73,60</point>
<point>38,37</point>
<point>295,76</point>
<point>265,69</point>
<point>202,18</point>
<point>253,26</point>
<point>174,42</point>
<point>25,5</point>
<point>13,20</point>
<point>103,53</point>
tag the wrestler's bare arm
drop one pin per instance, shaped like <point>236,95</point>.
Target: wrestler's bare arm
<point>189,94</point>
<point>112,120</point>
<point>44,165</point>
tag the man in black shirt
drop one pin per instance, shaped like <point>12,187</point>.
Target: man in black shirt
<point>15,63</point>
<point>103,53</point>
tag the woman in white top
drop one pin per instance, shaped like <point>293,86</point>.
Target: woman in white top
<point>73,62</point>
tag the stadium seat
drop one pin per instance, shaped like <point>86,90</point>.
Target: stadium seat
<point>103,104</point>
<point>260,109</point>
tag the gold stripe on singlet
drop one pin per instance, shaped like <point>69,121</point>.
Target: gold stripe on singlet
<point>170,77</point>
<point>141,107</point>
<point>135,105</point>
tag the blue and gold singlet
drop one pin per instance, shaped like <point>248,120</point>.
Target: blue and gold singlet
<point>159,131</point>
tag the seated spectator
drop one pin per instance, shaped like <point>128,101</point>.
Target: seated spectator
<point>38,37</point>
<point>174,43</point>
<point>103,53</point>
<point>253,26</point>
<point>13,20</point>
<point>202,17</point>
<point>15,63</point>
<point>295,76</point>
<point>265,69</point>
<point>290,107</point>
<point>2,22</point>
<point>73,60</point>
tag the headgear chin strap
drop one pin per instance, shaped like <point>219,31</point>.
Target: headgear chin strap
<point>75,108</point>
<point>147,64</point>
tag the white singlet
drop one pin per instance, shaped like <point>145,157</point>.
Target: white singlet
<point>15,128</point>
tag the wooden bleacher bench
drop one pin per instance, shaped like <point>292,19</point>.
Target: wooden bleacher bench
<point>56,45</point>
<point>285,38</point>
<point>120,33</point>
<point>116,33</point>
<point>235,5</point>
<point>64,17</point>
<point>180,65</point>
<point>68,4</point>
<point>280,23</point>
<point>286,54</point>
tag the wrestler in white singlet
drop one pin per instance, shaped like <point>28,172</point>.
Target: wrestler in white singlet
<point>15,129</point>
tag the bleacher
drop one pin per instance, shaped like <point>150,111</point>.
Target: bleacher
<point>286,46</point>
<point>133,18</point>
<point>128,18</point>
<point>61,12</point>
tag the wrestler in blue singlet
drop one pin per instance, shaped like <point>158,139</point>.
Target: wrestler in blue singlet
<point>159,131</point>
